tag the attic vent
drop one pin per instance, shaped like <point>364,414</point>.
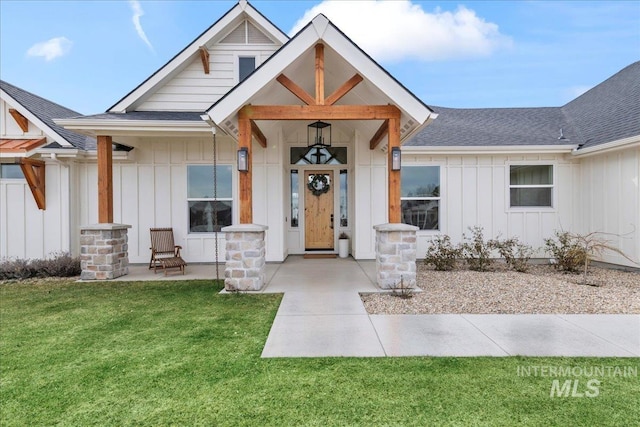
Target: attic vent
<point>246,33</point>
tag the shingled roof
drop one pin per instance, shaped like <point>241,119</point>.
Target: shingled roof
<point>608,112</point>
<point>46,111</point>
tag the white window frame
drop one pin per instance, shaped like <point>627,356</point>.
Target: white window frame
<point>441,218</point>
<point>553,186</point>
<point>12,179</point>
<point>245,54</point>
<point>231,199</point>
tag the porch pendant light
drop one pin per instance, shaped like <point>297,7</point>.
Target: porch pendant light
<point>319,134</point>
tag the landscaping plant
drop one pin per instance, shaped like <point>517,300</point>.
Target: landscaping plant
<point>567,252</point>
<point>477,251</point>
<point>59,264</point>
<point>515,253</point>
<point>442,254</point>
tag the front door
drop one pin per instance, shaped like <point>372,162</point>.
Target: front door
<point>318,210</point>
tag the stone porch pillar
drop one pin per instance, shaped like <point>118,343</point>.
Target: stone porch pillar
<point>104,251</point>
<point>245,257</point>
<point>395,255</point>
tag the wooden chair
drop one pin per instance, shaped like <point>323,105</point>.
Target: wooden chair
<point>164,252</point>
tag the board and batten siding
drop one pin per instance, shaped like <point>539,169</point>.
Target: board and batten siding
<point>611,201</point>
<point>27,232</point>
<point>193,90</point>
<point>475,191</point>
<point>152,192</point>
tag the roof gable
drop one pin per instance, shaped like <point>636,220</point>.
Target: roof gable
<point>41,112</point>
<point>259,28</point>
<point>296,58</point>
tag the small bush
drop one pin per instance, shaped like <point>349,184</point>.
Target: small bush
<point>442,254</point>
<point>58,265</point>
<point>515,253</point>
<point>567,252</point>
<point>477,251</point>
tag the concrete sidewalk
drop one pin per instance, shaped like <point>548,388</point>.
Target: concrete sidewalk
<point>322,315</point>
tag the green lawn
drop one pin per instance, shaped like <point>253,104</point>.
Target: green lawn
<point>177,353</point>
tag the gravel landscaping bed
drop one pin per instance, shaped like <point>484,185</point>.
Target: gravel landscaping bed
<point>541,290</point>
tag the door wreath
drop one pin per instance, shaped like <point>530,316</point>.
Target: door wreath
<point>319,184</point>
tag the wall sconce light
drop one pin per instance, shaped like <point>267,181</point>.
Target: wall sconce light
<point>243,160</point>
<point>396,159</point>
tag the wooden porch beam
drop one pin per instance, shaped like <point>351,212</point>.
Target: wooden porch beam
<point>320,74</point>
<point>20,119</point>
<point>343,90</point>
<point>255,131</point>
<point>204,56</point>
<point>296,90</point>
<point>245,184</point>
<point>105,180</point>
<point>319,112</point>
<point>394,176</point>
<point>382,131</point>
<point>33,171</point>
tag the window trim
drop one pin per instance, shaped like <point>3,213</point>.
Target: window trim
<point>245,54</point>
<point>232,199</point>
<point>553,187</point>
<point>440,198</point>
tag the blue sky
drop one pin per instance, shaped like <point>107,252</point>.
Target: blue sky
<point>87,55</point>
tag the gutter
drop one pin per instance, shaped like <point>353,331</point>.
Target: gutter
<point>609,147</point>
<point>485,149</point>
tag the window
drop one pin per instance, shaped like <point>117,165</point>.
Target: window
<point>294,198</point>
<point>531,185</point>
<point>202,207</point>
<point>344,211</point>
<point>420,196</point>
<point>246,65</point>
<point>318,155</point>
<point>10,171</point>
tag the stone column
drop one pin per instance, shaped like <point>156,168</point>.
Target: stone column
<point>104,251</point>
<point>395,255</point>
<point>245,265</point>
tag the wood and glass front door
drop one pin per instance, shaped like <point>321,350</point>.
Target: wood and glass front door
<point>318,210</point>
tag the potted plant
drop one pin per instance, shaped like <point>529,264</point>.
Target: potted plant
<point>343,245</point>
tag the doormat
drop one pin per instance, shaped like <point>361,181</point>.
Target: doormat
<point>319,256</point>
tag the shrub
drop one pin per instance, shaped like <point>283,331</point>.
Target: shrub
<point>515,253</point>
<point>58,265</point>
<point>442,254</point>
<point>477,251</point>
<point>569,255</point>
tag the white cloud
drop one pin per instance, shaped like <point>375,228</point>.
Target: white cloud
<point>398,30</point>
<point>137,14</point>
<point>51,49</point>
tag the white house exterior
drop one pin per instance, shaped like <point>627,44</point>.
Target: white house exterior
<point>516,172</point>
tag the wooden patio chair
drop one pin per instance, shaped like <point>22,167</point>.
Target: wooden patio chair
<point>164,252</point>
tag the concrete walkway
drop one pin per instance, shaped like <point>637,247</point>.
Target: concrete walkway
<point>321,315</point>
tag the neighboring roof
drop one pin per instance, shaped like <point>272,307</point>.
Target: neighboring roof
<point>175,64</point>
<point>45,111</point>
<point>609,111</point>
<point>474,127</point>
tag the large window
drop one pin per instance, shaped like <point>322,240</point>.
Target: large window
<point>531,186</point>
<point>420,196</point>
<point>203,209</point>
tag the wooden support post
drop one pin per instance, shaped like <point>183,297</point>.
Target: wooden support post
<point>105,180</point>
<point>204,57</point>
<point>319,74</point>
<point>246,189</point>
<point>394,176</point>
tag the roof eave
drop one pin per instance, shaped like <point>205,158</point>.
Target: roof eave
<point>132,127</point>
<point>608,147</point>
<point>490,149</point>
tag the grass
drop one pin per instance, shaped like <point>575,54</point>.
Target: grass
<point>178,353</point>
